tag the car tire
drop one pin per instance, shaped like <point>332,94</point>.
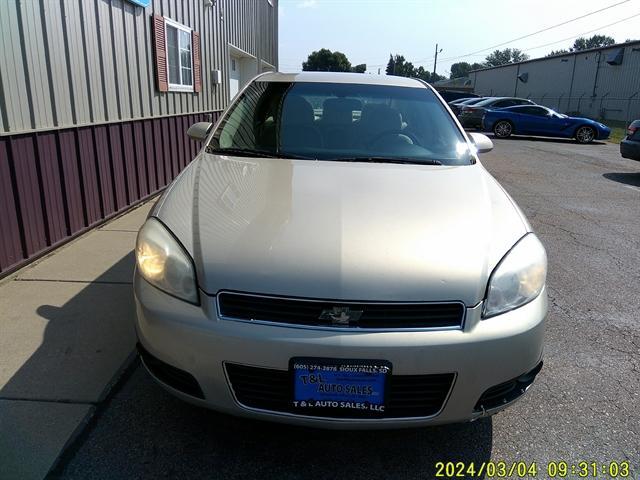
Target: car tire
<point>503,129</point>
<point>585,134</point>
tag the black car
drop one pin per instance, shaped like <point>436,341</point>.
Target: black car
<point>451,95</point>
<point>470,116</point>
<point>456,105</point>
<point>630,146</point>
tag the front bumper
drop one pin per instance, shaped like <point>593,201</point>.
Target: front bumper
<point>482,355</point>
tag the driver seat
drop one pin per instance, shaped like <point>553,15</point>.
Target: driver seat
<point>376,119</point>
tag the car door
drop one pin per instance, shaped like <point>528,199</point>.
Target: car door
<point>535,120</point>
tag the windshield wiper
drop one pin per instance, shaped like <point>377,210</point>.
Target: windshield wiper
<point>379,159</point>
<point>250,152</point>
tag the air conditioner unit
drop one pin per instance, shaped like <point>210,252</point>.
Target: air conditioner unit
<point>615,57</point>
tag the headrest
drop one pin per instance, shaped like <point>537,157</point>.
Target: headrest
<point>378,117</point>
<point>339,110</point>
<point>296,110</point>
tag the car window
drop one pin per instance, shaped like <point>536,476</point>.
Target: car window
<point>503,103</point>
<point>537,111</point>
<point>341,120</point>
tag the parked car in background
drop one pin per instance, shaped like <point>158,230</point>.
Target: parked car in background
<point>293,273</point>
<point>630,146</point>
<point>451,95</point>
<point>470,116</point>
<point>458,104</point>
<point>542,121</point>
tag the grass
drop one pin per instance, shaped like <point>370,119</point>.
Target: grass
<point>618,130</point>
<point>617,134</point>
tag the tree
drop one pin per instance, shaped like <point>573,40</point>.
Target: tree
<point>360,68</point>
<point>399,67</point>
<point>502,57</point>
<point>325,60</point>
<point>462,69</point>
<point>557,52</point>
<point>595,41</point>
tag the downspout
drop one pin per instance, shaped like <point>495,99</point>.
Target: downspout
<point>595,80</point>
<point>515,90</point>
<point>573,73</point>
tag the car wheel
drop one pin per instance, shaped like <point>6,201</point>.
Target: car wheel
<point>585,135</point>
<point>503,129</point>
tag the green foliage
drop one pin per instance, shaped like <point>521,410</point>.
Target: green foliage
<point>503,57</point>
<point>594,41</point>
<point>325,60</point>
<point>399,67</point>
<point>557,52</point>
<point>462,69</point>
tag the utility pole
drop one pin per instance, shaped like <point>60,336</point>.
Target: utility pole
<point>435,62</point>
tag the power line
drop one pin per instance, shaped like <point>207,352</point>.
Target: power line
<point>425,60</point>
<point>583,33</point>
<point>533,33</point>
<point>479,52</point>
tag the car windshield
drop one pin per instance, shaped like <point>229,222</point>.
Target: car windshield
<point>341,121</point>
<point>561,115</point>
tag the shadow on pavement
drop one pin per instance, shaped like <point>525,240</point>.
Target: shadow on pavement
<point>84,333</point>
<point>147,433</point>
<point>568,141</point>
<point>627,178</point>
<point>87,337</point>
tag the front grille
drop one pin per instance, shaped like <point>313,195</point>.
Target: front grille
<point>407,395</point>
<point>308,312</point>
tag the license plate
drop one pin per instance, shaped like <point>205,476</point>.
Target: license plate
<point>337,385</point>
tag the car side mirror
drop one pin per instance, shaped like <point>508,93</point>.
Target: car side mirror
<point>482,142</point>
<point>199,131</point>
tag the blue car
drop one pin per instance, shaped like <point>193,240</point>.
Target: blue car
<point>542,121</point>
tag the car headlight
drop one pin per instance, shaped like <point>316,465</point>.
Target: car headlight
<point>164,263</point>
<point>519,277</point>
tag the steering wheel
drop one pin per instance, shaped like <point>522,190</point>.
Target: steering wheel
<point>404,133</point>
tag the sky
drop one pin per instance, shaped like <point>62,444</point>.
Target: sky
<point>367,31</point>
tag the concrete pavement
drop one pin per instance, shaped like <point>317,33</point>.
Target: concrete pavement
<point>583,202</point>
<point>66,332</point>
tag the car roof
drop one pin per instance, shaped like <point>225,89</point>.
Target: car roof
<point>497,99</point>
<point>341,77</point>
<point>510,98</point>
<point>476,100</point>
<point>463,99</point>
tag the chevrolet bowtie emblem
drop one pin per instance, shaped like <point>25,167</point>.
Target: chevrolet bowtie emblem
<point>340,315</point>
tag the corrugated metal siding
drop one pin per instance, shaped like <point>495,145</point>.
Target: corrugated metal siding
<point>56,184</point>
<point>583,83</point>
<point>84,134</point>
<point>496,82</point>
<point>68,63</point>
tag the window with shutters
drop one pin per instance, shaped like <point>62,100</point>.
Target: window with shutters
<point>177,56</point>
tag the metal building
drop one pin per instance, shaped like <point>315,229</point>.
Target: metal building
<point>95,99</point>
<point>602,83</point>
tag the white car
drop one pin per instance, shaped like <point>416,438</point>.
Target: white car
<point>336,256</point>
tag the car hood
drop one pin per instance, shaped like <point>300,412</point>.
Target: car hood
<point>590,121</point>
<point>337,230</point>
